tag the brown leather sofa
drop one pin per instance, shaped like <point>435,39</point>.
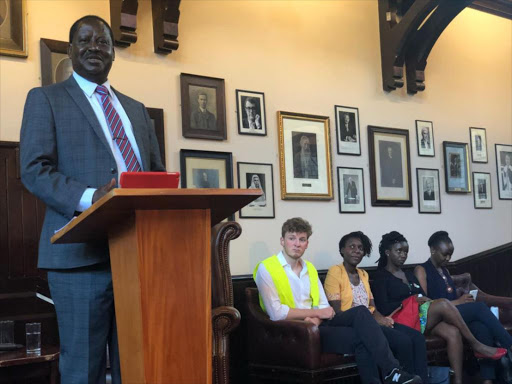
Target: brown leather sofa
<point>290,350</point>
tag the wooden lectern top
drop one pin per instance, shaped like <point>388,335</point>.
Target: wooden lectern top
<point>121,203</point>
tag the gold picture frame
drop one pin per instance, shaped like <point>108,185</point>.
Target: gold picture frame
<point>304,156</point>
<point>13,28</point>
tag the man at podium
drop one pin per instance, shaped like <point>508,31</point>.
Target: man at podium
<point>77,137</point>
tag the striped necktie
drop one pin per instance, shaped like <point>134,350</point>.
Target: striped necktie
<point>117,130</point>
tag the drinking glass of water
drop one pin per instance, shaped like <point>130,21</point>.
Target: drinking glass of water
<point>33,332</point>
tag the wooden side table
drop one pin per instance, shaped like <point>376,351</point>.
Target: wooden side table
<point>16,367</point>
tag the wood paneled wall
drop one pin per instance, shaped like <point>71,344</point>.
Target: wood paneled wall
<point>21,216</point>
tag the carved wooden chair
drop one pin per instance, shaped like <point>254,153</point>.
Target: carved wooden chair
<point>225,317</point>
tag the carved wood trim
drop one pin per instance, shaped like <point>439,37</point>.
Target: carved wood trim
<point>501,8</point>
<point>408,31</point>
<point>123,20</point>
<point>166,15</point>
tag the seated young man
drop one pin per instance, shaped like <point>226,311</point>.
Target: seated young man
<point>290,289</point>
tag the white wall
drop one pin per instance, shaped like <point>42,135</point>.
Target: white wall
<point>308,56</point>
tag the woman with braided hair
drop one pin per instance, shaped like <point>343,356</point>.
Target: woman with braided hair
<point>347,286</point>
<point>435,279</point>
<point>392,285</point>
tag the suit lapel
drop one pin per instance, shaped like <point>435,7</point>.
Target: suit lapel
<point>132,110</point>
<point>78,96</point>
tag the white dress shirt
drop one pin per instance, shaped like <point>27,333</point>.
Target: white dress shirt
<point>300,288</point>
<point>89,88</point>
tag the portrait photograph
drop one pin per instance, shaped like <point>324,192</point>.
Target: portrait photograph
<point>251,114</point>
<point>351,190</point>
<point>13,33</point>
<point>347,130</point>
<point>456,167</point>
<point>390,173</point>
<point>56,65</point>
<point>478,140</point>
<point>206,169</point>
<point>482,194</point>
<point>504,169</point>
<point>305,157</point>
<point>257,176</point>
<point>203,107</point>
<point>425,138</point>
<point>429,197</point>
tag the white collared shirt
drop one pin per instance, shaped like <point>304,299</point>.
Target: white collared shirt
<point>300,288</point>
<point>89,88</point>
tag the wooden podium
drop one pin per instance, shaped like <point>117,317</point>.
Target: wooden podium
<point>159,242</point>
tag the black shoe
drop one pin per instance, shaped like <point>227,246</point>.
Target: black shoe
<point>401,377</point>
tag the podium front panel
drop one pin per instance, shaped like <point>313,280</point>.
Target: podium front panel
<point>162,286</point>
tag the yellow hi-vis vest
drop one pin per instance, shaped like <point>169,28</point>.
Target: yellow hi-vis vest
<point>284,290</point>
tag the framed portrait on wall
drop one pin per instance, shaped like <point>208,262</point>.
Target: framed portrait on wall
<point>347,130</point>
<point>257,176</point>
<point>425,138</point>
<point>504,169</point>
<point>482,193</point>
<point>251,114</point>
<point>478,140</point>
<point>304,156</point>
<point>56,65</point>
<point>390,170</point>
<point>157,119</point>
<point>206,169</point>
<point>13,28</point>
<point>429,196</point>
<point>351,190</point>
<point>203,107</point>
<point>456,167</point>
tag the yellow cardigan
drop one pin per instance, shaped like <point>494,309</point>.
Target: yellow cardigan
<point>337,286</point>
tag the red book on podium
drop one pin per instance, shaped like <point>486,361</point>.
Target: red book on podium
<point>149,180</point>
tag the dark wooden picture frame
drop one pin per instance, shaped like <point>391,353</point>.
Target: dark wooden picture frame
<point>210,123</point>
<point>348,141</point>
<point>504,170</point>
<point>157,118</point>
<point>426,143</point>
<point>257,103</point>
<point>482,192</point>
<point>252,176</point>
<point>345,176</point>
<point>13,28</point>
<point>429,190</point>
<point>478,140</point>
<point>217,166</point>
<point>390,167</point>
<point>457,177</point>
<point>55,63</point>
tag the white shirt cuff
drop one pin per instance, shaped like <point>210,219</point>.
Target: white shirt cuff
<point>85,200</point>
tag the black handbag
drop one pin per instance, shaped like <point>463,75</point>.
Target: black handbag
<point>504,371</point>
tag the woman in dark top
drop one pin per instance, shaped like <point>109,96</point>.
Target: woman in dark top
<point>392,285</point>
<point>435,279</point>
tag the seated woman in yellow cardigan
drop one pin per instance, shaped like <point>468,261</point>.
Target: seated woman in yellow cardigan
<point>347,286</point>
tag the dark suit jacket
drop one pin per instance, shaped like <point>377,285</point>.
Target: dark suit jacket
<point>63,152</point>
<point>351,133</point>
<point>428,196</point>
<point>203,120</point>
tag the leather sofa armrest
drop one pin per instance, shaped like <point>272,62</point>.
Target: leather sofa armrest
<point>225,319</point>
<point>286,342</point>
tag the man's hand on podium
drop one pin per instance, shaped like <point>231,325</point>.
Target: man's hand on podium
<point>103,190</point>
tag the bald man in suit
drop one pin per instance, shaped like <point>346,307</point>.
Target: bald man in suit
<point>70,158</point>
